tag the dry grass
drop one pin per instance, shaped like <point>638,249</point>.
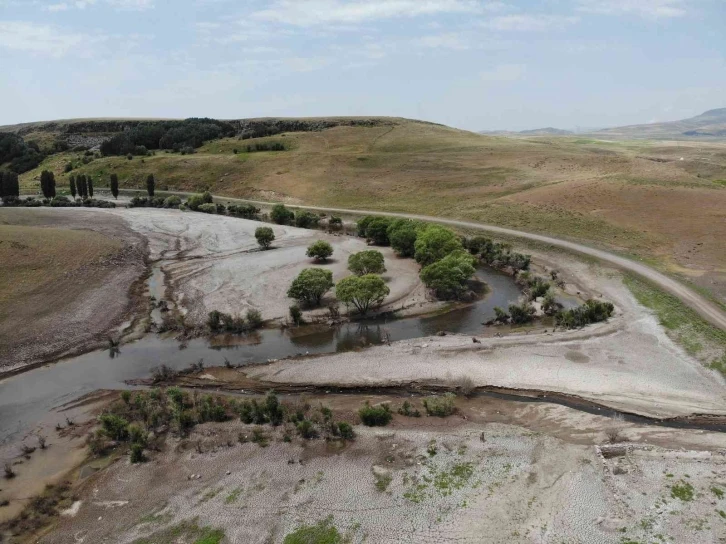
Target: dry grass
<point>634,197</point>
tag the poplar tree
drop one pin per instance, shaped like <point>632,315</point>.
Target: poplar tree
<point>72,182</point>
<point>114,185</point>
<point>90,186</point>
<point>150,183</point>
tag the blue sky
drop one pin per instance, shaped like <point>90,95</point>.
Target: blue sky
<point>472,64</point>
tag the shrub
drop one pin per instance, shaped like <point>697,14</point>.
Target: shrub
<point>265,236</point>
<point>501,316</point>
<point>172,201</point>
<point>521,313</point>
<point>208,208</point>
<point>324,532</point>
<point>375,416</point>
<point>434,243</point>
<point>247,211</point>
<point>115,427</point>
<point>448,277</point>
<point>408,410</point>
<point>61,202</point>
<point>346,430</point>
<point>136,453</point>
<point>296,315</point>
<point>593,311</point>
<point>377,231</point>
<point>363,292</point>
<point>320,250</point>
<point>366,262</point>
<point>549,305</point>
<point>214,320</point>
<point>306,429</point>
<point>442,406</point>
<point>281,215</point>
<point>194,201</point>
<point>306,220</point>
<point>254,318</point>
<point>310,285</point>
<point>335,223</point>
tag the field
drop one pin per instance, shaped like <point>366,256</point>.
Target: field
<point>637,198</point>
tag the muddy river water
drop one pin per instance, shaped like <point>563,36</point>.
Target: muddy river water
<point>27,397</point>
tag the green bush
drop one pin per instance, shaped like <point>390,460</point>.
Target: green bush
<point>324,532</point>
<point>194,201</point>
<point>375,416</point>
<point>448,277</point>
<point>346,430</point>
<point>172,201</point>
<point>254,318</point>
<point>320,250</point>
<point>207,208</point>
<point>246,211</point>
<point>137,453</point>
<point>366,262</point>
<point>281,215</point>
<point>265,236</point>
<point>593,311</point>
<point>362,224</point>
<point>442,406</point>
<point>115,427</point>
<point>296,315</point>
<point>306,220</point>
<point>310,285</point>
<point>402,234</point>
<point>521,313</point>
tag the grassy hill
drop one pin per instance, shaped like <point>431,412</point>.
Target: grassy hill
<point>663,201</point>
<point>709,125</point>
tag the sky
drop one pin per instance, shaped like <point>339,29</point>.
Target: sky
<point>472,64</point>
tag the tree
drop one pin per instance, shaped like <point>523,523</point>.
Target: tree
<point>310,285</point>
<point>434,243</point>
<point>81,186</point>
<point>447,277</point>
<point>320,250</point>
<point>72,182</point>
<point>366,262</point>
<point>362,224</point>
<point>90,186</point>
<point>281,215</point>
<point>363,292</point>
<point>2,185</point>
<point>150,184</point>
<point>194,201</point>
<point>47,183</point>
<point>114,185</point>
<point>10,185</point>
<point>377,231</point>
<point>402,235</point>
<point>264,236</point>
<point>521,313</point>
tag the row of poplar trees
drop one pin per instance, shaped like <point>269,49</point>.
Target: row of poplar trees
<point>80,185</point>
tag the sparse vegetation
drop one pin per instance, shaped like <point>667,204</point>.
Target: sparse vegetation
<point>683,491</point>
<point>440,406</point>
<point>323,532</point>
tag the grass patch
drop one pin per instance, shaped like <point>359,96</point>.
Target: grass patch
<point>683,324</point>
<point>323,532</point>
<point>683,491</point>
<point>383,481</point>
<point>233,496</point>
<point>184,532</point>
<point>717,491</point>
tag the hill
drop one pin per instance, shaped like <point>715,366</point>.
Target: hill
<point>665,202</point>
<point>547,131</point>
<point>710,124</point>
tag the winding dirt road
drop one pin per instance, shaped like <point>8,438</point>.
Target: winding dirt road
<point>705,308</point>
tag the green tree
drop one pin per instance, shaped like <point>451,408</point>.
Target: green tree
<point>366,262</point>
<point>150,184</point>
<point>362,224</point>
<point>265,236</point>
<point>114,185</point>
<point>310,285</point>
<point>90,186</point>
<point>281,215</point>
<point>377,231</point>
<point>81,185</point>
<point>2,185</point>
<point>320,250</point>
<point>47,183</point>
<point>72,182</point>
<point>194,201</point>
<point>521,313</point>
<point>12,186</point>
<point>447,277</point>
<point>434,243</point>
<point>363,292</point>
<point>402,235</point>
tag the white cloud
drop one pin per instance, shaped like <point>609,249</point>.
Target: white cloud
<point>450,40</point>
<point>133,5</point>
<point>503,73</point>
<point>528,23</point>
<point>319,12</point>
<point>651,9</point>
<point>42,39</point>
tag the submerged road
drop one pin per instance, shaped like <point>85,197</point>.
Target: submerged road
<point>704,307</point>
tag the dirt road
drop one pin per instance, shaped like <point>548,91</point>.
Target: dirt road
<point>705,308</point>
